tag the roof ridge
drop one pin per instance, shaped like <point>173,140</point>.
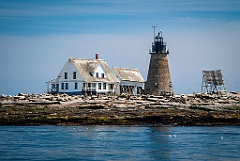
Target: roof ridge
<point>126,68</point>
<point>86,59</point>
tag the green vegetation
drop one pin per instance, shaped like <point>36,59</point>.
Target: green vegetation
<point>232,108</point>
<point>200,108</point>
<point>91,107</point>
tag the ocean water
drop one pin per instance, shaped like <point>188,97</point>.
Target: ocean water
<point>119,143</point>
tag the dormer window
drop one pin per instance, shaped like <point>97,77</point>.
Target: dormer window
<point>97,75</point>
<point>103,75</point>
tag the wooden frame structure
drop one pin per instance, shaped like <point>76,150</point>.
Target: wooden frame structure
<point>212,81</point>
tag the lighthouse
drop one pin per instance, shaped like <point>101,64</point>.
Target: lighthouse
<point>158,78</point>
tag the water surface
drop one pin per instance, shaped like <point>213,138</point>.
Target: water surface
<point>119,143</point>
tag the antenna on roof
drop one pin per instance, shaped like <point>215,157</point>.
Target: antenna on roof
<point>154,27</point>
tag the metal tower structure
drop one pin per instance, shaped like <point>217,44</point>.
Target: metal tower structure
<point>212,81</point>
<point>158,78</point>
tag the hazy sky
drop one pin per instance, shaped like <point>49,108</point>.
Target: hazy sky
<point>38,36</point>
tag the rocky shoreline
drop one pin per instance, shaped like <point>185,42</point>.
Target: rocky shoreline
<point>198,109</point>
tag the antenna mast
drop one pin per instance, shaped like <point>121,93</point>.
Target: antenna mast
<point>154,26</point>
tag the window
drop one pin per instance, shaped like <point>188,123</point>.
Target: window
<point>74,75</point>
<point>65,75</point>
<point>97,75</point>
<point>76,85</point>
<point>53,86</point>
<point>103,75</point>
<point>89,85</point>
<point>100,86</point>
<point>66,86</point>
<point>105,86</point>
<point>111,86</point>
<point>62,85</point>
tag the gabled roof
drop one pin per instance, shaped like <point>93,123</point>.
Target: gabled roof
<point>126,74</point>
<point>87,66</point>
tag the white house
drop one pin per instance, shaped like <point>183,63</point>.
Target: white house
<point>131,80</point>
<point>80,76</point>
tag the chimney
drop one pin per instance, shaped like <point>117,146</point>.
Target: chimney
<point>96,56</point>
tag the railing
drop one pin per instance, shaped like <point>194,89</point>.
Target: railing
<point>89,89</point>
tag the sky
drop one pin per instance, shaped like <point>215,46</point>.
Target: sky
<point>37,38</point>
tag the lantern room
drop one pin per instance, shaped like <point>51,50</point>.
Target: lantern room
<point>159,46</point>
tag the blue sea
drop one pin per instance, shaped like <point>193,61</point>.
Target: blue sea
<point>119,143</point>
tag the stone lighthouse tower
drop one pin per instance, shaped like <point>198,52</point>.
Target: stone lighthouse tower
<point>158,79</point>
